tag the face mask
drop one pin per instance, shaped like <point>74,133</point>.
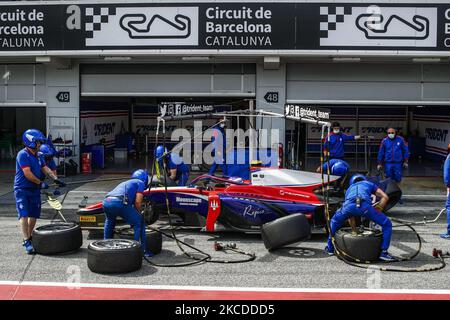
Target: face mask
<point>391,135</point>
<point>336,131</point>
<point>222,125</point>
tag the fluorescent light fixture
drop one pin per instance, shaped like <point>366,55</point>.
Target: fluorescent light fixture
<point>272,63</point>
<point>345,59</point>
<point>195,58</point>
<point>117,58</point>
<point>43,59</point>
<point>426,60</point>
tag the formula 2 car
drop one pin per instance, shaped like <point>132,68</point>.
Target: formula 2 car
<point>245,205</point>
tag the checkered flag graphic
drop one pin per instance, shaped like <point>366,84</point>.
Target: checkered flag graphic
<point>95,17</point>
<point>330,17</point>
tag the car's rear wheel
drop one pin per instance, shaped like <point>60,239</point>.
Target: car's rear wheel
<point>364,246</point>
<point>114,256</point>
<point>285,231</point>
<point>57,238</point>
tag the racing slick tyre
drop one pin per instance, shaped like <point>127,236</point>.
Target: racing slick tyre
<point>57,238</point>
<point>285,231</point>
<point>154,239</point>
<point>394,193</point>
<point>364,246</point>
<point>150,215</point>
<point>114,256</point>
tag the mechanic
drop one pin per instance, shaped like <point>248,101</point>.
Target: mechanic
<point>447,183</point>
<point>358,203</point>
<point>393,155</point>
<point>338,167</point>
<point>125,201</point>
<point>27,184</point>
<point>220,147</point>
<point>178,171</point>
<point>335,142</point>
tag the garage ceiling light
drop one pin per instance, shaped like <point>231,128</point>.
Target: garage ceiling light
<point>118,58</point>
<point>426,60</point>
<point>43,59</point>
<point>195,58</point>
<point>344,59</point>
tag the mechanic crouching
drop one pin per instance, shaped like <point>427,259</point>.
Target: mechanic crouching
<point>30,172</point>
<point>447,183</point>
<point>172,163</point>
<point>338,167</point>
<point>358,203</point>
<point>125,201</point>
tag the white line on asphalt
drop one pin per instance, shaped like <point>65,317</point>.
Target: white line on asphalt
<point>204,288</point>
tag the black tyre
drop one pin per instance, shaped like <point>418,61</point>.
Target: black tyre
<point>394,193</point>
<point>150,215</point>
<point>114,256</point>
<point>154,239</point>
<point>285,231</point>
<point>365,246</point>
<point>57,238</point>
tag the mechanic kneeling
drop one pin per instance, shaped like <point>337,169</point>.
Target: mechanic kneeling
<point>125,201</point>
<point>358,203</point>
<point>178,171</point>
<point>338,167</point>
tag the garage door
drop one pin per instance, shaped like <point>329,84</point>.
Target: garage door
<point>365,83</point>
<point>168,80</point>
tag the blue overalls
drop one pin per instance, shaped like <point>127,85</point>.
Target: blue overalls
<point>219,141</point>
<point>175,162</point>
<point>364,190</point>
<point>120,202</point>
<point>50,164</point>
<point>338,167</point>
<point>393,153</point>
<point>27,193</point>
<point>447,183</point>
<point>335,144</point>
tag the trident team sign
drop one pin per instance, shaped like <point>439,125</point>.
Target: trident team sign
<point>266,25</point>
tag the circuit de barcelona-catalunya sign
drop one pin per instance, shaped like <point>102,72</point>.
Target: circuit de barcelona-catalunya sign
<point>225,26</point>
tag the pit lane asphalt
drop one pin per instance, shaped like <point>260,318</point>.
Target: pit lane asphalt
<point>304,265</point>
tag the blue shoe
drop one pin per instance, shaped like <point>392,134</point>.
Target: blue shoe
<point>445,236</point>
<point>148,254</point>
<point>28,246</point>
<point>329,252</point>
<point>385,256</point>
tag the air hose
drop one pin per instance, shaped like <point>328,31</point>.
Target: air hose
<point>196,260</point>
<point>348,259</point>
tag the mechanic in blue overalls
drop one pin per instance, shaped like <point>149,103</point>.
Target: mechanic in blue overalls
<point>447,183</point>
<point>220,147</point>
<point>358,203</point>
<point>338,167</point>
<point>335,142</point>
<point>177,169</point>
<point>125,201</point>
<point>393,154</point>
<point>27,184</point>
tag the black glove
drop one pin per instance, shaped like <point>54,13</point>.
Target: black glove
<point>60,183</point>
<point>43,185</point>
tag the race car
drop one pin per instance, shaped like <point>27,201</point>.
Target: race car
<point>245,205</point>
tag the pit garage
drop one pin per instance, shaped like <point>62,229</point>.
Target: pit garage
<point>120,103</point>
<point>368,98</point>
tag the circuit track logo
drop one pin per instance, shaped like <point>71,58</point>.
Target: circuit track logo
<point>377,26</point>
<point>142,26</point>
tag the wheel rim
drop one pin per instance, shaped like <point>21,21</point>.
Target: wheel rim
<point>114,245</point>
<point>56,227</point>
